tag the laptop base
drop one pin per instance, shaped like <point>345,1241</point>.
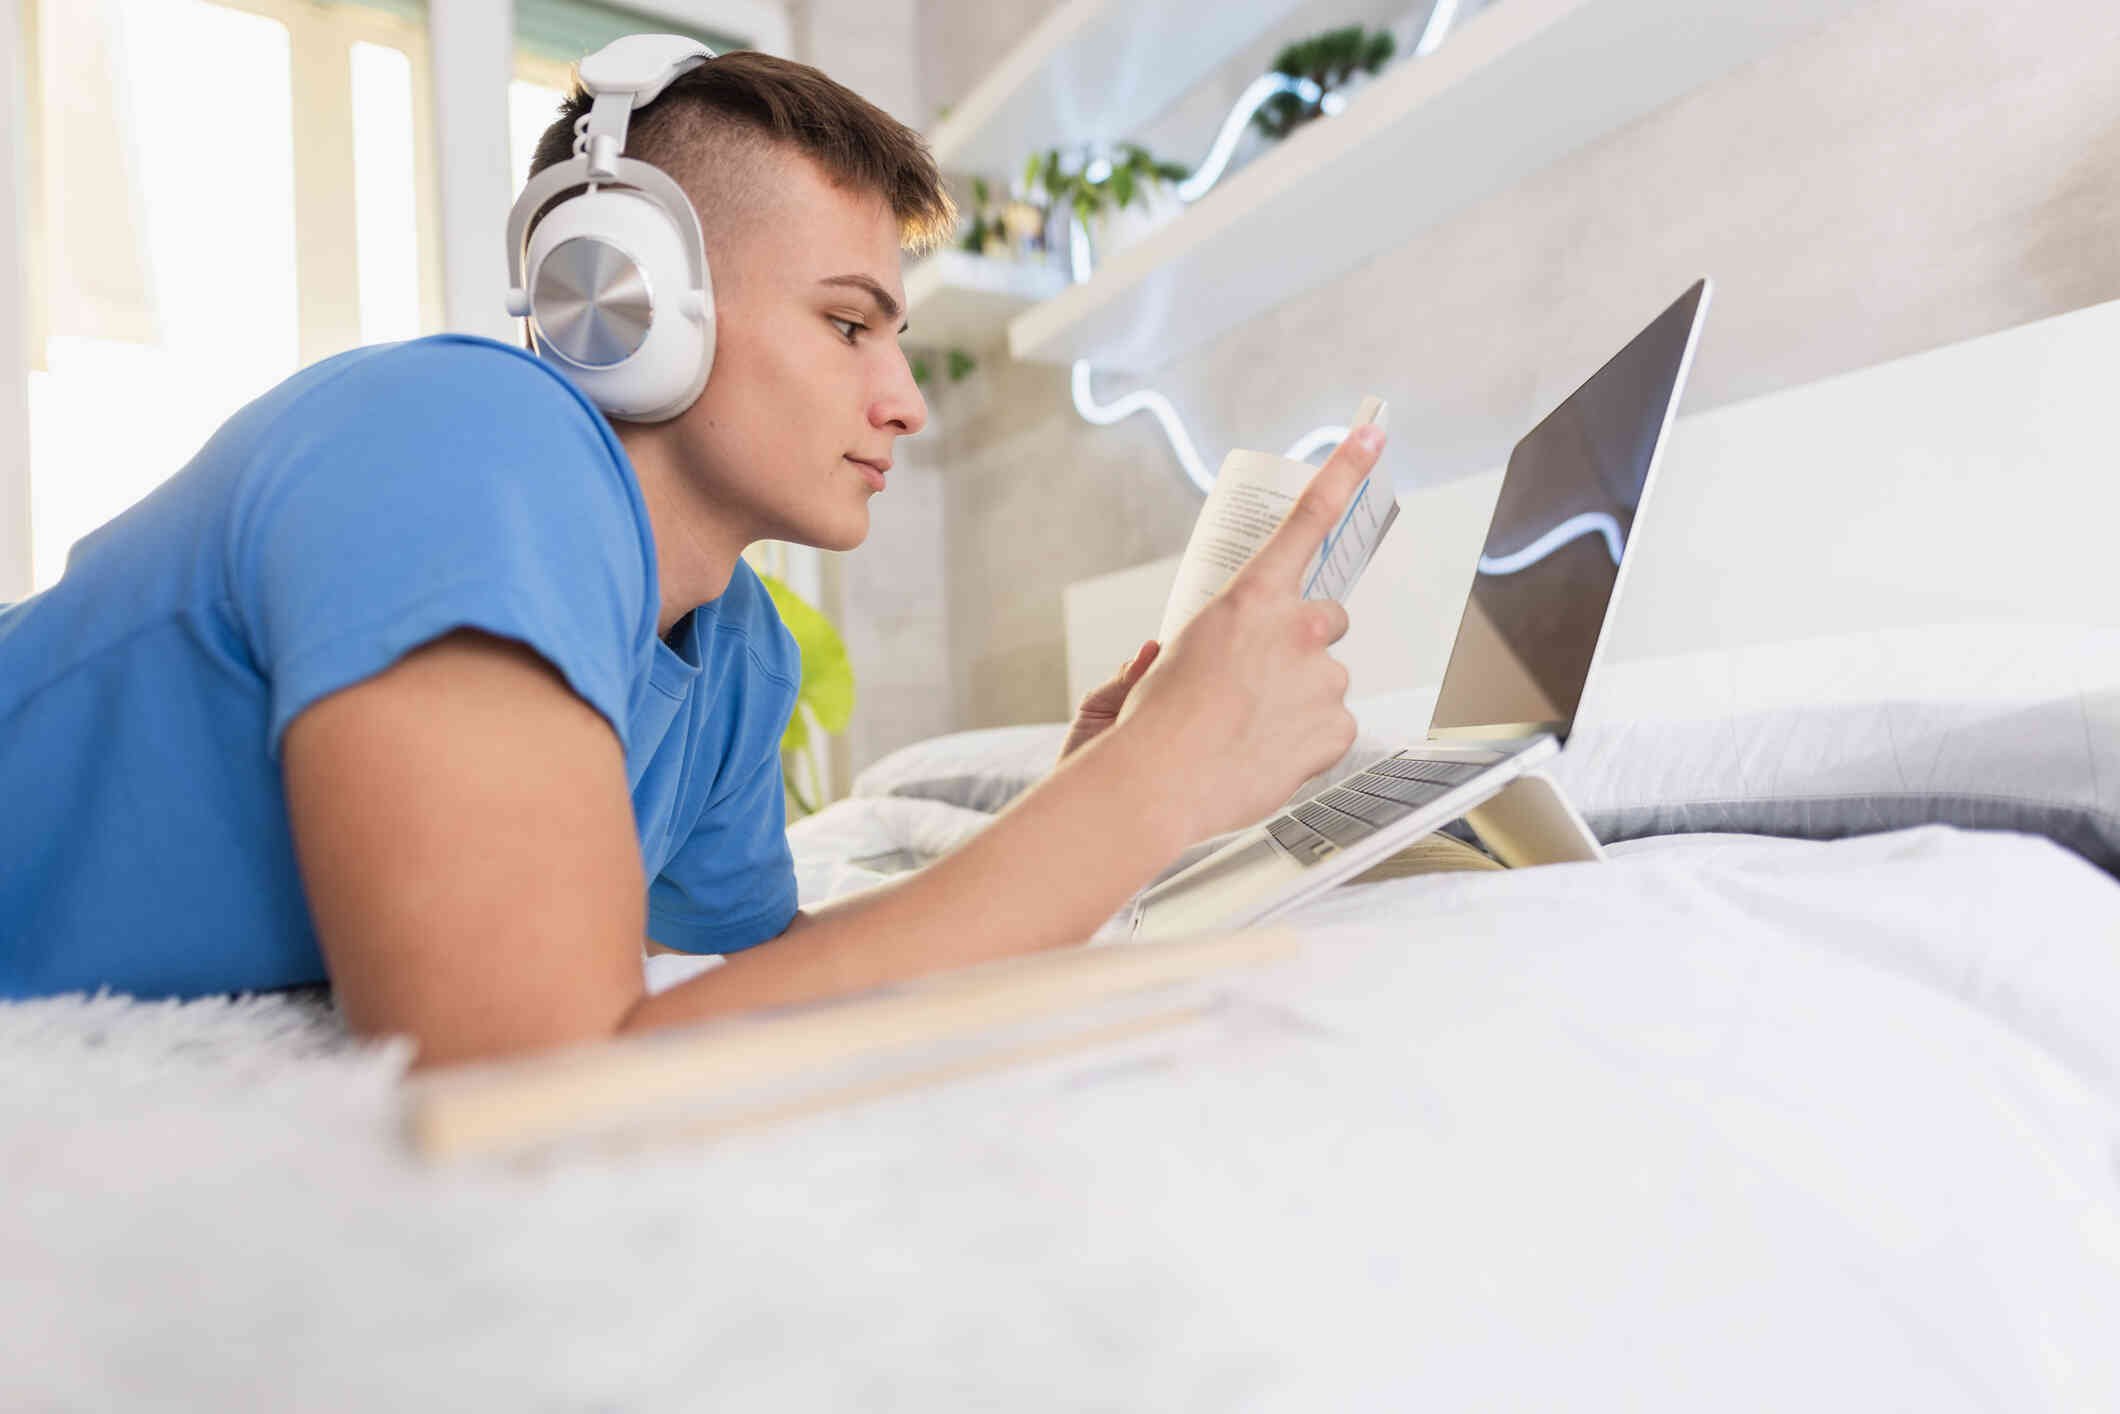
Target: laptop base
<point>1531,822</point>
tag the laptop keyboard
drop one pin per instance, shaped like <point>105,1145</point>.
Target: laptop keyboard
<point>1356,808</point>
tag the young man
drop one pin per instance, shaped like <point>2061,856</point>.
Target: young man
<point>426,675</point>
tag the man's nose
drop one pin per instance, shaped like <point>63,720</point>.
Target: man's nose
<point>900,405</point>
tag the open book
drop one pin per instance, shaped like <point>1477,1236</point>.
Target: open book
<point>1251,496</point>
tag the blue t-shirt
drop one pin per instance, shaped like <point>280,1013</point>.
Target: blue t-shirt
<point>367,505</point>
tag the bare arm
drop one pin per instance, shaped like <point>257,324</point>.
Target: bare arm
<point>466,841</point>
<point>466,837</point>
<point>1045,874</point>
<point>1241,709</point>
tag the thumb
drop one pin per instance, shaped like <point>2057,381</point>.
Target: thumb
<point>1142,660</point>
<point>1107,697</point>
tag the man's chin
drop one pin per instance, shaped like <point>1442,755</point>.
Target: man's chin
<point>842,535</point>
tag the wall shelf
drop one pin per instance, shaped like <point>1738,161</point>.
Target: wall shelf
<point>1094,69</point>
<point>958,300</point>
<point>1517,87</point>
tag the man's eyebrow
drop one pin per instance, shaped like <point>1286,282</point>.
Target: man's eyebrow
<point>876,292</point>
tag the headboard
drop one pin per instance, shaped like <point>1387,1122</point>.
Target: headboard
<point>1978,482</point>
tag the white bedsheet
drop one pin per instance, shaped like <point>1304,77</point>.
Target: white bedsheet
<point>1724,1123</point>
<point>1719,1125</point>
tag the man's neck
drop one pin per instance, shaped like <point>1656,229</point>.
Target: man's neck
<point>695,552</point>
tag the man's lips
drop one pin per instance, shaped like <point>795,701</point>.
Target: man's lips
<point>872,472</point>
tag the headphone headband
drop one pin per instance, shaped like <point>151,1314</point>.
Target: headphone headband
<point>641,65</point>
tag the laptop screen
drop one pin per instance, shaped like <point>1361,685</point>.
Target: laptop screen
<point>1560,533</point>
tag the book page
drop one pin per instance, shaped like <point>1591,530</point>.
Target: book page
<point>1251,497</point>
<point>1347,551</point>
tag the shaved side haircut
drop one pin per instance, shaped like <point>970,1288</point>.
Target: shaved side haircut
<point>716,129</point>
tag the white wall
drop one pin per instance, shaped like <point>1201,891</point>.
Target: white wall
<point>1920,172</point>
<point>1975,483</point>
<point>871,46</point>
<point>888,597</point>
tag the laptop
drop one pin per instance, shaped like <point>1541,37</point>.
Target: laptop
<point>1542,595</point>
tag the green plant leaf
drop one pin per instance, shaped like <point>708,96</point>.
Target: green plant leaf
<point>981,193</point>
<point>1123,186</point>
<point>827,674</point>
<point>921,370</point>
<point>961,365</point>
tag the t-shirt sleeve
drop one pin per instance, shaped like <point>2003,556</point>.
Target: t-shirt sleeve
<point>731,884</point>
<point>434,487</point>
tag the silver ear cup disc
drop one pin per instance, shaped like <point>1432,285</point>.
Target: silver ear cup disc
<point>591,303</point>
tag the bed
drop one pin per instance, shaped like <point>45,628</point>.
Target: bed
<point>1809,1096</point>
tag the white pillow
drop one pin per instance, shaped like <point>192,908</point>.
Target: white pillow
<point>978,770</point>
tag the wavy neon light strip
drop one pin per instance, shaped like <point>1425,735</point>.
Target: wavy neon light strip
<point>1155,405</point>
<point>1573,528</point>
<point>1440,19</point>
<point>1166,416</point>
<point>1210,170</point>
<point>1255,95</point>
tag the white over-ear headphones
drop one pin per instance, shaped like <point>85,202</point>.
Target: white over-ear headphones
<point>614,281</point>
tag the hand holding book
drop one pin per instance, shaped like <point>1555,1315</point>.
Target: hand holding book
<point>1247,702</point>
<point>1252,495</point>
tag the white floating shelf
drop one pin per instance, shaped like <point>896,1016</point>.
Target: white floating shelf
<point>1517,87</point>
<point>958,300</point>
<point>1094,69</point>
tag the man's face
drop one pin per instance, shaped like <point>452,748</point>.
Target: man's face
<point>809,389</point>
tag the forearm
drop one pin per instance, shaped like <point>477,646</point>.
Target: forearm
<point>1043,875</point>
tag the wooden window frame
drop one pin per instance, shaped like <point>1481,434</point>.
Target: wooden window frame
<point>327,254</point>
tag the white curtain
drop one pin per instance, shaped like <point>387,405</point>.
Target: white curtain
<point>96,280</point>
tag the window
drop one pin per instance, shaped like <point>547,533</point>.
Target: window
<point>249,186</point>
<point>550,35</point>
<point>210,237</point>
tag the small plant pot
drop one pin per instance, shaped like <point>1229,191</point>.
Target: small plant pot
<point>1154,206</point>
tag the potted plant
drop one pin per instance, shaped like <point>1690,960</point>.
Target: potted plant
<point>1336,61</point>
<point>1117,198</point>
<point>1009,230</point>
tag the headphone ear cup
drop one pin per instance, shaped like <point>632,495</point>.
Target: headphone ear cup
<point>611,304</point>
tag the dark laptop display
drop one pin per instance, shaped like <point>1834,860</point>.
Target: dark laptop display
<point>1560,529</point>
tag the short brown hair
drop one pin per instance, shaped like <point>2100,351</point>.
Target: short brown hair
<point>710,120</point>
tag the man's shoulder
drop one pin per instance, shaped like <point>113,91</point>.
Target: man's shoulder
<point>444,373</point>
<point>450,410</point>
<point>439,459</point>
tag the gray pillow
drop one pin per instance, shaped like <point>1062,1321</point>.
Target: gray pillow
<point>2048,768</point>
<point>1982,726</point>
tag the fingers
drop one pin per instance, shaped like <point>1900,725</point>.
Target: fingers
<point>1288,551</point>
<point>1327,619</point>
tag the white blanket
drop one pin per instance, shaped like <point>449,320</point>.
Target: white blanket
<point>1723,1125</point>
